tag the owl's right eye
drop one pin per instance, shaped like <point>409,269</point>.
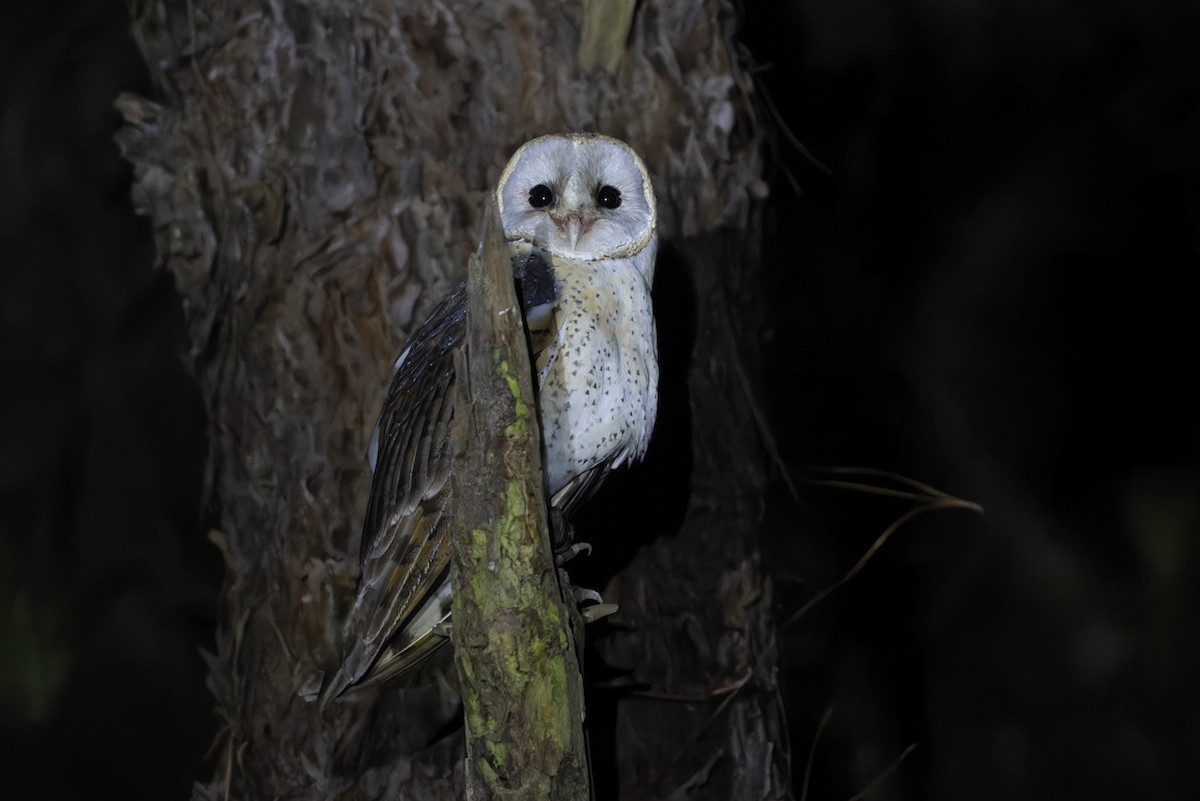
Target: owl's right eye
<point>540,196</point>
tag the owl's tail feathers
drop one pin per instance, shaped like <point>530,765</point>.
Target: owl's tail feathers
<point>346,675</point>
<point>361,670</point>
<point>403,663</point>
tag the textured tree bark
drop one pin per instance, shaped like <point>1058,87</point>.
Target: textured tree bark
<point>521,686</point>
<point>315,171</point>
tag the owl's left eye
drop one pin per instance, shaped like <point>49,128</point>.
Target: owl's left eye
<point>609,197</point>
<point>540,196</point>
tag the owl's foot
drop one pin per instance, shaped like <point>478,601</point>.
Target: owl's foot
<point>571,551</point>
<point>591,604</point>
<point>583,594</point>
<point>562,539</point>
<point>597,611</point>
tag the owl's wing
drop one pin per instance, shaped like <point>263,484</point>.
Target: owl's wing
<point>404,588</point>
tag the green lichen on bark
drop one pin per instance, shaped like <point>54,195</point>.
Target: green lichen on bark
<point>519,674</point>
<point>517,428</point>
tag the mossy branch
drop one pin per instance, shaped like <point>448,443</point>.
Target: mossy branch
<point>520,681</point>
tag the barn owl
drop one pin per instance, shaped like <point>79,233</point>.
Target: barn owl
<point>579,215</point>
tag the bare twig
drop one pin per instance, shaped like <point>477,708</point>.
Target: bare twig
<point>931,499</point>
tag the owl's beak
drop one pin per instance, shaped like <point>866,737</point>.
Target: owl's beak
<point>575,225</point>
<point>574,229</point>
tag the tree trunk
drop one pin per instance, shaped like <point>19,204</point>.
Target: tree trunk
<point>524,718</point>
<point>316,175</point>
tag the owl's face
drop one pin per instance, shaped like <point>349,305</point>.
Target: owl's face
<point>582,196</point>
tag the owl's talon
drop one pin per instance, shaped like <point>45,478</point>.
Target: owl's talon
<point>597,611</point>
<point>569,553</point>
<point>584,594</point>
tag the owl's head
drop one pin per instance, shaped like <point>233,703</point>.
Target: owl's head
<point>582,196</point>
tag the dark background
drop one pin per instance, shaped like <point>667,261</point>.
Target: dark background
<point>988,289</point>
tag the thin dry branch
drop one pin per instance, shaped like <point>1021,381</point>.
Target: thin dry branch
<point>929,498</point>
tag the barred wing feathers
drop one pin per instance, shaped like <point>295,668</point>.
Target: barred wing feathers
<point>403,592</point>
